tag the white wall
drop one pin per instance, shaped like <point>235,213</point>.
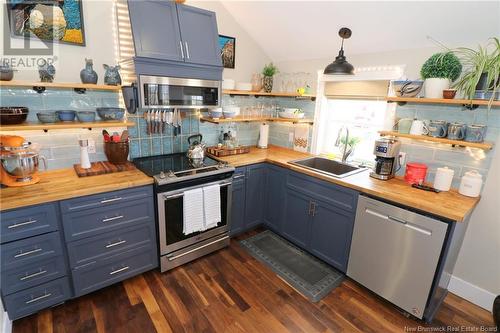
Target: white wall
<point>99,35</point>
<point>250,58</point>
<point>479,259</point>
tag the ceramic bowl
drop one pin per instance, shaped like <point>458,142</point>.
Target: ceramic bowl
<point>47,117</point>
<point>86,116</point>
<point>108,113</point>
<point>12,115</point>
<point>407,88</point>
<point>449,93</point>
<point>66,115</point>
<point>215,113</point>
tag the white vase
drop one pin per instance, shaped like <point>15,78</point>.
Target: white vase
<point>433,87</point>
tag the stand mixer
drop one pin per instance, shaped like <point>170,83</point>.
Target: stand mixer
<point>18,162</point>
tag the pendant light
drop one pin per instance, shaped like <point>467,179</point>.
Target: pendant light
<point>340,66</point>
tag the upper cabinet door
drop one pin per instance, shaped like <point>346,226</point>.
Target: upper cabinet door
<point>155,29</point>
<point>199,34</point>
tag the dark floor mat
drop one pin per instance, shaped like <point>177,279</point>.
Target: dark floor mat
<point>307,274</point>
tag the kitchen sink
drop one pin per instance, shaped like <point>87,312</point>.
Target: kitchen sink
<point>328,167</point>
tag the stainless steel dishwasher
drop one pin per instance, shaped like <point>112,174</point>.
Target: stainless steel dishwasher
<point>395,253</point>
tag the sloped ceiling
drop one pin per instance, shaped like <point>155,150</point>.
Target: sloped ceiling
<point>298,30</point>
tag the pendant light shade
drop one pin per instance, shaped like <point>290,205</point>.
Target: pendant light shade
<point>340,66</point>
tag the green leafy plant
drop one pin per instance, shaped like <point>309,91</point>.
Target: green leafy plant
<point>442,65</point>
<point>483,62</point>
<point>269,70</point>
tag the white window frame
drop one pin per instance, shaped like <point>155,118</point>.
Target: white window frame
<point>378,73</point>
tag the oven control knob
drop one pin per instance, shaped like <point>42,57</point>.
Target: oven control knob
<point>162,175</point>
<point>223,165</point>
<point>171,174</point>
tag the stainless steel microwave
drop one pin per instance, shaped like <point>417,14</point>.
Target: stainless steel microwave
<point>158,92</point>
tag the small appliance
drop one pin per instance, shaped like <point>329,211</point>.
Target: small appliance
<point>19,162</point>
<point>386,152</point>
<point>415,173</point>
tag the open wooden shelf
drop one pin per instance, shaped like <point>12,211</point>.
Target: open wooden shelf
<point>443,101</point>
<point>255,119</point>
<point>483,145</point>
<point>271,94</point>
<point>60,85</point>
<point>29,126</point>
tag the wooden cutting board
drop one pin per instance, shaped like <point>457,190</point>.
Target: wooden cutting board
<point>101,168</point>
<point>220,152</point>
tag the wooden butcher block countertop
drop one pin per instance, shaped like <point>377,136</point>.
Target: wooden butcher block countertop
<point>450,205</point>
<point>64,184</point>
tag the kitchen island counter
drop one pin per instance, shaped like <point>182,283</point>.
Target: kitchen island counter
<point>450,205</point>
<point>64,184</point>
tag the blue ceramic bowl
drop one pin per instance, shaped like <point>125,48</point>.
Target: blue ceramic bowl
<point>86,116</point>
<point>66,115</point>
<point>106,113</point>
<point>47,117</point>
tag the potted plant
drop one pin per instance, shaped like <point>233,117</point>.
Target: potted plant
<point>268,73</point>
<point>439,71</point>
<point>482,71</point>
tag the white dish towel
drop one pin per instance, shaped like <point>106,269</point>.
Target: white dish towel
<point>211,204</point>
<point>193,211</point>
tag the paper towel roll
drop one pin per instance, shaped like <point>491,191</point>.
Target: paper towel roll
<point>263,135</point>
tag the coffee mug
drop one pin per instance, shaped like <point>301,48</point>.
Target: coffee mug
<point>438,128</point>
<point>456,131</point>
<point>475,133</point>
<point>404,125</point>
<point>418,127</point>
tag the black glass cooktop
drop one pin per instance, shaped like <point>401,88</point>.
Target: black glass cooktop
<point>153,165</point>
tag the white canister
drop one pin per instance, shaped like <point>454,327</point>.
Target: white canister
<point>471,184</point>
<point>443,179</point>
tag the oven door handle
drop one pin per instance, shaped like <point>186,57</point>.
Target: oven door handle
<point>181,194</point>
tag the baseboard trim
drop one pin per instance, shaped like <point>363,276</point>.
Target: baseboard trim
<point>472,293</point>
<point>6,324</point>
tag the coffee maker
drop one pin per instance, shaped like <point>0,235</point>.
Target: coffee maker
<point>386,152</point>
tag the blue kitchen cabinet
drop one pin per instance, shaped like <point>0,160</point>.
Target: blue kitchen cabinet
<point>297,218</point>
<point>199,35</point>
<point>238,203</point>
<point>169,31</point>
<point>255,193</point>
<point>331,233</point>
<point>274,201</point>
<point>155,29</point>
<point>319,217</point>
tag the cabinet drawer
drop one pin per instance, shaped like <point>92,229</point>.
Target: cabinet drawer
<point>27,222</point>
<point>114,269</point>
<point>31,275</point>
<point>336,195</point>
<point>31,250</point>
<point>31,300</point>
<point>96,221</point>
<point>105,199</point>
<point>91,249</point>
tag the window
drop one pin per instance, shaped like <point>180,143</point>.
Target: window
<point>363,118</point>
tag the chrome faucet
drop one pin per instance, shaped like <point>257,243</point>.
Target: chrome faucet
<point>345,153</point>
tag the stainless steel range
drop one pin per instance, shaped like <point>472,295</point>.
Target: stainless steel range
<point>175,174</point>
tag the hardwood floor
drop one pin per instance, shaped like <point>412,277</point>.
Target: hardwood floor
<point>230,291</point>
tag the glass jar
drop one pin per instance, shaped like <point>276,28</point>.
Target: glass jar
<point>256,82</point>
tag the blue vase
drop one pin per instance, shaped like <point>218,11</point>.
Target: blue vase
<point>88,75</point>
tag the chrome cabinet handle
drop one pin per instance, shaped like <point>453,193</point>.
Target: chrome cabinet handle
<point>27,277</point>
<point>396,219</point>
<point>187,50</point>
<point>119,270</point>
<point>313,209</point>
<point>116,243</point>
<point>22,254</point>
<point>182,50</point>
<point>310,208</point>
<point>17,225</point>
<point>112,218</point>
<point>239,176</point>
<point>39,298</point>
<point>110,200</point>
